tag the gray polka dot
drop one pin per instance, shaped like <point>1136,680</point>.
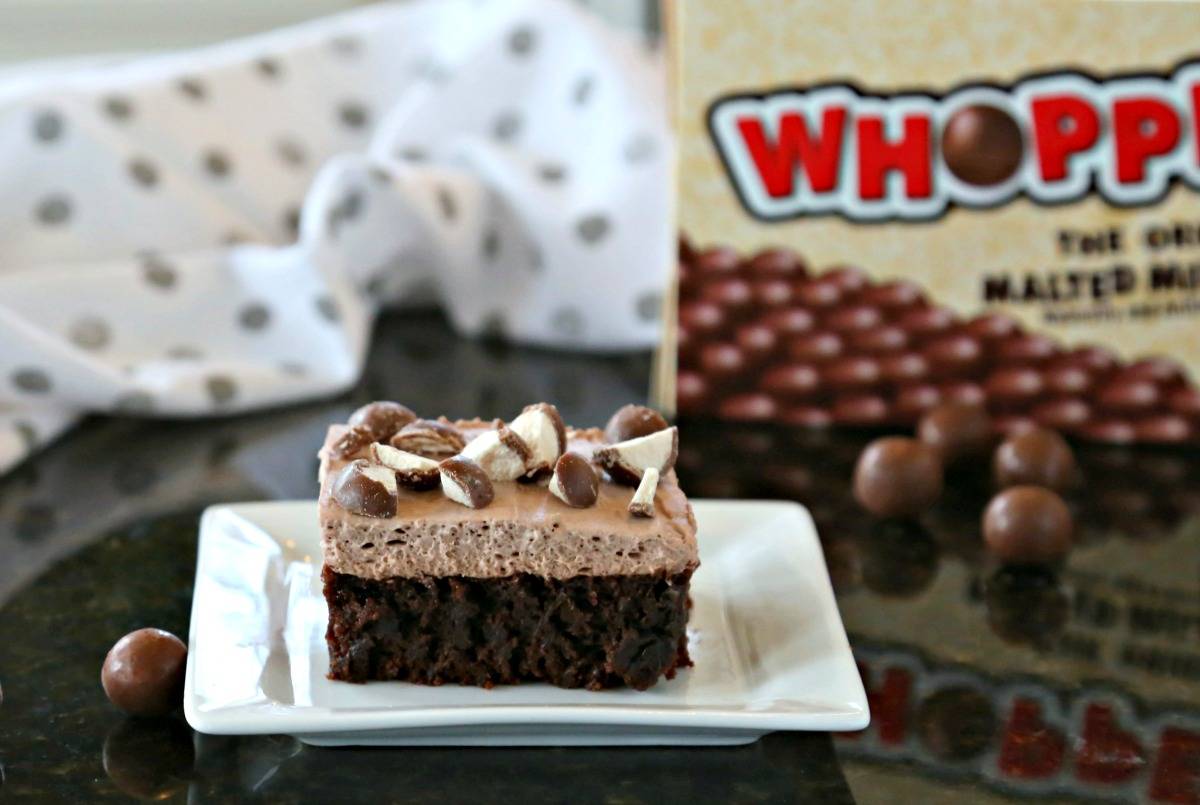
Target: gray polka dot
<point>348,209</point>
<point>447,204</point>
<point>552,172</point>
<point>328,308</point>
<point>221,389</point>
<point>352,204</point>
<point>268,67</point>
<point>254,316</point>
<point>291,220</point>
<point>592,228</point>
<point>27,433</point>
<point>53,210</point>
<point>293,369</point>
<point>353,114</point>
<point>494,326</point>
<point>118,107</point>
<point>522,40</point>
<point>183,352</point>
<point>47,126</point>
<point>32,381</point>
<point>158,272</point>
<point>640,148</point>
<point>192,89</point>
<point>412,153</point>
<point>379,175</point>
<point>346,45</point>
<point>649,306</point>
<point>90,332</point>
<point>217,163</point>
<point>222,449</point>
<point>134,402</point>
<point>291,152</point>
<point>491,244</point>
<point>582,91</point>
<point>567,322</point>
<point>143,172</point>
<point>234,238</point>
<point>507,126</point>
<point>376,285</point>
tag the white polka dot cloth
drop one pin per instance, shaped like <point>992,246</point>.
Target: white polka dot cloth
<point>214,231</point>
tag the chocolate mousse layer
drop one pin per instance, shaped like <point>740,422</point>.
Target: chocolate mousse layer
<point>524,529</point>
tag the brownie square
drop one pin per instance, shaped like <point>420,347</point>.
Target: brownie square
<point>584,632</point>
<point>516,581</point>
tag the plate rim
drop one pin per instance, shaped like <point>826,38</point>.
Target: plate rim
<point>264,715</point>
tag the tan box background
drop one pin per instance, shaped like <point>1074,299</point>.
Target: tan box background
<point>934,45</point>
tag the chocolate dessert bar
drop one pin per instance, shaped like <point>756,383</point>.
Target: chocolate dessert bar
<point>487,553</point>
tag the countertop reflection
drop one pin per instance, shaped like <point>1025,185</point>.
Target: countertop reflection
<point>986,682</point>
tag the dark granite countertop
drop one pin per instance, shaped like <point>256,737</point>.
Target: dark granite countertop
<point>987,683</point>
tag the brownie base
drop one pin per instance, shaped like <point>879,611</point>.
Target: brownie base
<point>584,632</point>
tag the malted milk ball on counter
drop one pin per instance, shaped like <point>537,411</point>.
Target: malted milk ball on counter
<point>1028,524</point>
<point>957,431</point>
<point>143,672</point>
<point>1037,457</point>
<point>898,477</point>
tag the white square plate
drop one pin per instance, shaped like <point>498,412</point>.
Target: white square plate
<point>769,649</point>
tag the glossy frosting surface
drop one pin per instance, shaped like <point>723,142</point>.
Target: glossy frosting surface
<point>524,530</point>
